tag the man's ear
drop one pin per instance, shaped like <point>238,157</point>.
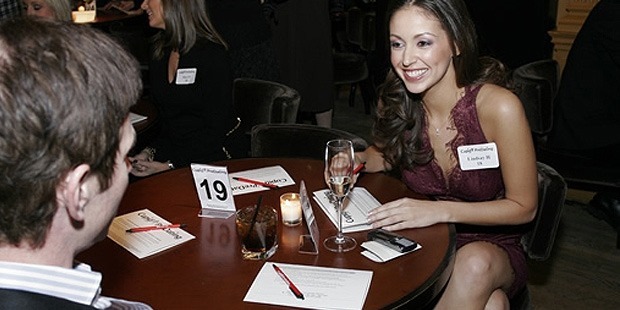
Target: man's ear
<point>75,191</point>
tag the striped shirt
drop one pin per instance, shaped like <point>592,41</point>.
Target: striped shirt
<point>80,285</point>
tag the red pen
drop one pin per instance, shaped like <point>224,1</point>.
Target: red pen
<point>148,228</point>
<point>288,282</point>
<point>359,168</point>
<point>265,184</point>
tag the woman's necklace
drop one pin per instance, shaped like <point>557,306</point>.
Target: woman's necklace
<point>444,125</point>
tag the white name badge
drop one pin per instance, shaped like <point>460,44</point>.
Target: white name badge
<point>214,191</point>
<point>478,156</point>
<point>186,76</point>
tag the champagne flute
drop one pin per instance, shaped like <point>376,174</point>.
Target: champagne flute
<point>339,162</point>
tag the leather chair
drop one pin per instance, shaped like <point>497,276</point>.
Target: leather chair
<point>297,140</point>
<point>259,101</point>
<point>351,64</point>
<point>536,84</point>
<point>538,241</point>
<point>263,102</point>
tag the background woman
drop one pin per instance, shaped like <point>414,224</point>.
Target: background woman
<point>50,9</point>
<point>438,97</point>
<point>191,85</point>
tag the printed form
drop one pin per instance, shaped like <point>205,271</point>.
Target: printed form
<point>322,287</point>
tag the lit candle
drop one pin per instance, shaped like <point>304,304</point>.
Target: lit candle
<point>82,15</point>
<point>290,208</point>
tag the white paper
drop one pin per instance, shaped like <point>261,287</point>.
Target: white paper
<point>143,244</point>
<point>273,175</point>
<point>380,253</point>
<point>356,207</point>
<point>136,118</point>
<point>322,287</point>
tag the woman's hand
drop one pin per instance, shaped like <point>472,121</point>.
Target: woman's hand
<point>405,213</point>
<point>142,168</point>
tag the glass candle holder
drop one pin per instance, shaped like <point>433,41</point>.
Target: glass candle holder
<point>290,209</point>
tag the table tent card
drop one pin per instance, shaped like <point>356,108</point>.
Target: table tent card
<point>214,191</point>
<point>273,175</point>
<point>355,208</point>
<point>308,244</point>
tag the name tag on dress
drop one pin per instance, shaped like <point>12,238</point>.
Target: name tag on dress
<point>478,156</point>
<point>186,76</point>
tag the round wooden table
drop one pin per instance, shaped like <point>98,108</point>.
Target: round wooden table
<point>208,272</point>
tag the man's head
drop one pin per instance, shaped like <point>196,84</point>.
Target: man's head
<point>65,93</point>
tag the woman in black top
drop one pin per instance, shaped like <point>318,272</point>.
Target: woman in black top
<point>191,85</point>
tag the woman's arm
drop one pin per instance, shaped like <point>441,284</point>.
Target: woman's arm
<point>373,160</point>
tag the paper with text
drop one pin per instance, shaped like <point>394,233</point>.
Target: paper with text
<point>322,287</point>
<point>273,175</point>
<point>143,244</point>
<point>356,207</point>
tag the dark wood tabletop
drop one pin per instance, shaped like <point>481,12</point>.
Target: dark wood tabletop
<point>208,272</point>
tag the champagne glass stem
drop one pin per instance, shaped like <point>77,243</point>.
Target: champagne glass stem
<point>340,236</point>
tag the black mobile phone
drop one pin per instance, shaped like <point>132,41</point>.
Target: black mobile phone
<point>392,240</point>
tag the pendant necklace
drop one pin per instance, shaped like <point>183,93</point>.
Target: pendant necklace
<point>445,124</point>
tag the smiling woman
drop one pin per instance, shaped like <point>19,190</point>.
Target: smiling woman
<point>439,97</point>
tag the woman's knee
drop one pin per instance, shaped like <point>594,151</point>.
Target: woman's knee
<point>474,261</point>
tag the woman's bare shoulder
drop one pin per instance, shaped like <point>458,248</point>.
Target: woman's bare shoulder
<point>497,102</point>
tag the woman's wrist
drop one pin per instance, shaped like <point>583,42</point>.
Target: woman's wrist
<point>170,165</point>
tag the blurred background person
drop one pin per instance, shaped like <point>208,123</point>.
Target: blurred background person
<point>586,120</point>
<point>49,9</point>
<point>248,35</point>
<point>191,86</point>
<point>303,45</point>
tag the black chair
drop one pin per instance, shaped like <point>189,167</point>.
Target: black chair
<point>536,84</point>
<point>539,240</point>
<point>297,140</point>
<point>264,102</point>
<point>351,64</point>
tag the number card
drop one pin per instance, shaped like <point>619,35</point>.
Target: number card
<point>214,191</point>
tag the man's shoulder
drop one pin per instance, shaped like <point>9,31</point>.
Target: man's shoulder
<point>16,299</point>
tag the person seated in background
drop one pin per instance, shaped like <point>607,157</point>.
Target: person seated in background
<point>65,93</point>
<point>191,85</point>
<point>586,120</point>
<point>440,96</point>
<point>50,9</point>
<point>127,6</point>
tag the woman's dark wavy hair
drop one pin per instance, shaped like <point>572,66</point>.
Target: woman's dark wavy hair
<point>399,120</point>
